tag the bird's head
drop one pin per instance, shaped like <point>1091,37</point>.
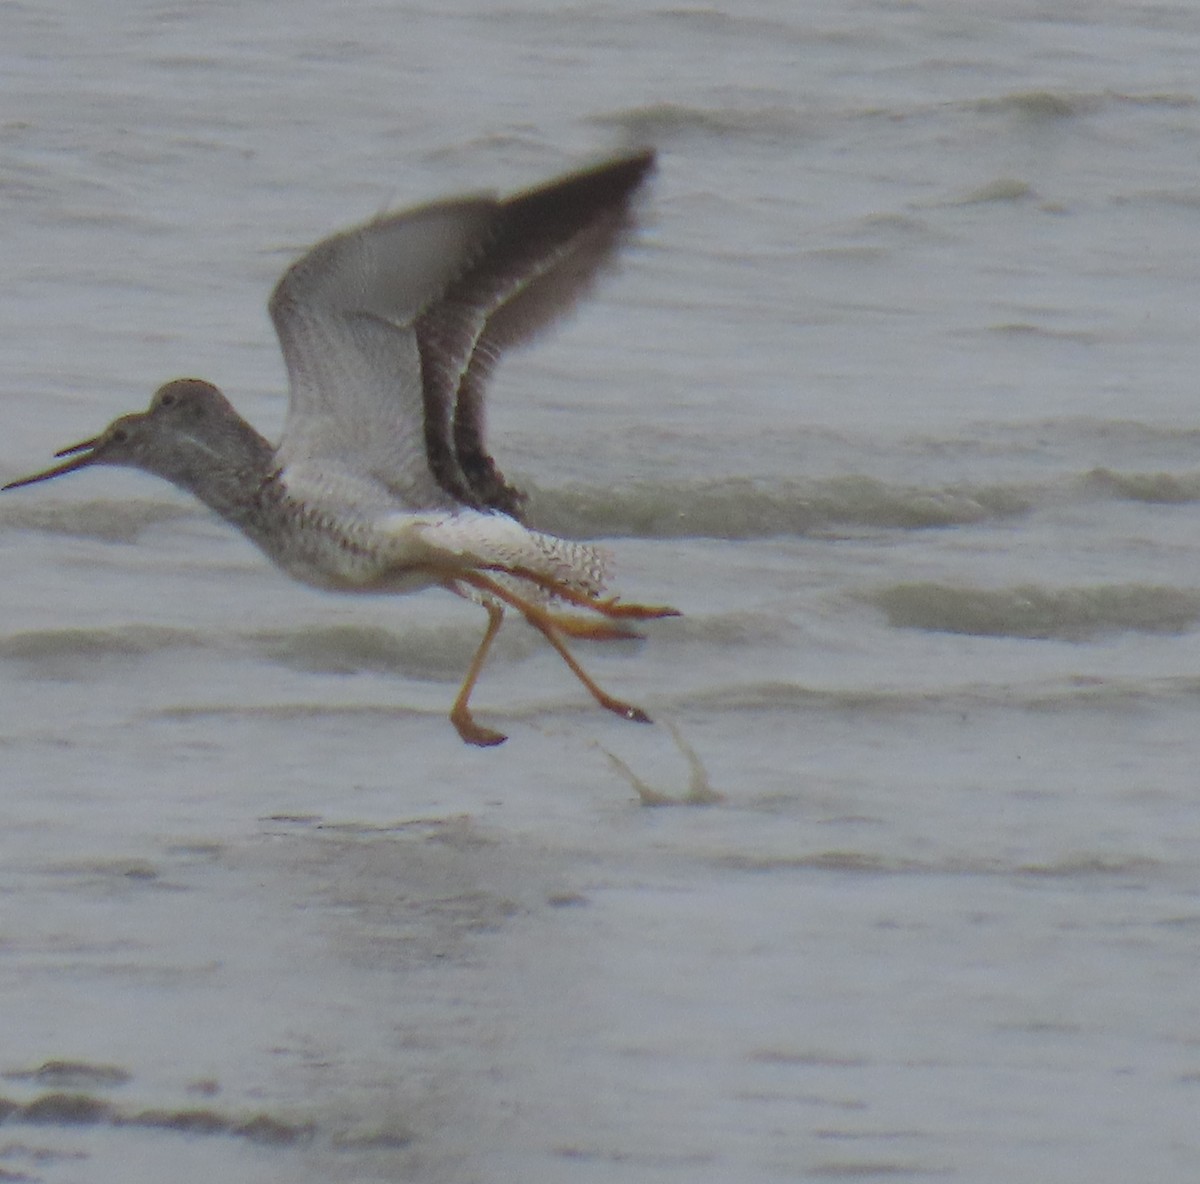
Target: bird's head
<point>185,423</point>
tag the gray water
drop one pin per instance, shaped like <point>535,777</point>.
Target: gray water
<point>893,396</point>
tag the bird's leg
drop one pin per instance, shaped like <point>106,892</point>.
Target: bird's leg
<point>591,629</point>
<point>544,623</point>
<point>460,713</point>
<point>608,607</point>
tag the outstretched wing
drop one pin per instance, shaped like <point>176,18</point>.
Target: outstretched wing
<point>389,330</point>
<point>344,313</point>
<point>545,249</point>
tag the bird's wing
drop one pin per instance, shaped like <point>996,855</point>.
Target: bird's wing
<point>345,315</point>
<point>390,330</point>
<point>545,249</point>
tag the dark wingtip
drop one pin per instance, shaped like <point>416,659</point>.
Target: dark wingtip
<point>605,185</point>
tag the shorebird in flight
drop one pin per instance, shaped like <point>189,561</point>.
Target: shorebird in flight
<point>382,481</point>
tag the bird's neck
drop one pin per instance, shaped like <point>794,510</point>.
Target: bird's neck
<point>225,474</point>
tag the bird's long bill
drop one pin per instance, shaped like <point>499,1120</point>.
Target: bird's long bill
<point>79,455</point>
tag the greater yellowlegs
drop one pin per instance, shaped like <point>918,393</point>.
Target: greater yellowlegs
<point>383,481</point>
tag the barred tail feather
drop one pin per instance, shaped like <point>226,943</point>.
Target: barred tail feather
<point>581,566</point>
<point>499,545</point>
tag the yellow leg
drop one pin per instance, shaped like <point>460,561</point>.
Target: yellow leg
<point>460,713</point>
<point>544,623</point>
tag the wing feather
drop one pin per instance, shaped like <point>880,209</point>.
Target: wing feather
<point>545,251</point>
<point>390,330</point>
<point>345,315</point>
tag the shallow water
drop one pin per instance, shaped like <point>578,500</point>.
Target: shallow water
<point>893,396</point>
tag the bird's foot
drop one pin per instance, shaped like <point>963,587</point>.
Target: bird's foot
<point>473,733</point>
<point>624,710</point>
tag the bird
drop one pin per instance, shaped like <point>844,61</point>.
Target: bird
<point>382,480</point>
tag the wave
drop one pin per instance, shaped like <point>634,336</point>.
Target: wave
<point>1072,614</point>
<point>722,508</point>
<point>746,508</point>
<point>1042,695</point>
<point>1054,105</point>
<point>1155,488</point>
<point>738,508</point>
<point>778,698</point>
<point>56,650</point>
<point>79,1109</point>
<point>440,654</point>
<point>1086,865</point>
<point>788,119</point>
<point>109,521</point>
<point>436,653</point>
<point>658,122</point>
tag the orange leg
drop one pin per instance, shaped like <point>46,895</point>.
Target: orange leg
<point>609,607</point>
<point>460,713</point>
<point>571,625</point>
<point>544,623</point>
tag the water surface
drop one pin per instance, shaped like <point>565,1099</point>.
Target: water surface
<point>894,396</point>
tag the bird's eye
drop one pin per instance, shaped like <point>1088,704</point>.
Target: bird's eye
<point>166,399</point>
<point>120,436</point>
